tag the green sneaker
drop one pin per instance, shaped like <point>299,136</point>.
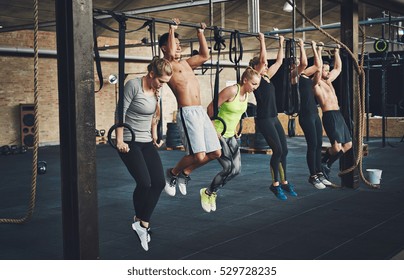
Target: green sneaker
<point>213,201</point>
<point>205,200</point>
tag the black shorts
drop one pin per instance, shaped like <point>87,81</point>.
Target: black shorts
<point>335,127</point>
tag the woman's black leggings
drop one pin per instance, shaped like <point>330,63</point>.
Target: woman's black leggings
<point>144,164</point>
<point>272,130</point>
<point>313,132</point>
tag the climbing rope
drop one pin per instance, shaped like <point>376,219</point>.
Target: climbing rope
<point>358,102</point>
<point>31,204</point>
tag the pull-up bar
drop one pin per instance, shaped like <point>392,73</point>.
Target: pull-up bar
<point>186,24</point>
<point>329,46</point>
<point>212,28</point>
<point>194,25</point>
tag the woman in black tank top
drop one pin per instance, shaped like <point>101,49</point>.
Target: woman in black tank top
<point>267,119</point>
<point>309,119</point>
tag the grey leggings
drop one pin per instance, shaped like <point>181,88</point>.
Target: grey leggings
<point>230,161</point>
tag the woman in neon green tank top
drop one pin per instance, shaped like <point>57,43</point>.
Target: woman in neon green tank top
<point>232,104</point>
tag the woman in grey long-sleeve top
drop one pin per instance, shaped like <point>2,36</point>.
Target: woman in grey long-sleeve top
<point>141,113</point>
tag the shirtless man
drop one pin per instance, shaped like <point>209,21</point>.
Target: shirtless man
<point>333,121</point>
<point>197,131</point>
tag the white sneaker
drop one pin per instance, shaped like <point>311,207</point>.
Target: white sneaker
<point>315,181</point>
<point>183,182</point>
<point>171,183</point>
<point>148,230</point>
<point>142,234</point>
<point>169,189</point>
<point>323,180</point>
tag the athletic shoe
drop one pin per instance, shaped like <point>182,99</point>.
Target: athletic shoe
<point>183,182</point>
<point>148,230</point>
<point>148,234</point>
<point>278,192</point>
<point>289,188</point>
<point>142,234</point>
<point>315,181</point>
<point>323,180</point>
<point>326,170</point>
<point>205,200</point>
<point>213,201</point>
<point>171,183</point>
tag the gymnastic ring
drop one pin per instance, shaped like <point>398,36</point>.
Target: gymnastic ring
<point>223,122</point>
<point>115,126</point>
<point>380,45</point>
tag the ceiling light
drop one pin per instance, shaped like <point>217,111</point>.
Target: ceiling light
<point>287,7</point>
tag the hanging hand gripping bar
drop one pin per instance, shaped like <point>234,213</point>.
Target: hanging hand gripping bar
<point>121,80</point>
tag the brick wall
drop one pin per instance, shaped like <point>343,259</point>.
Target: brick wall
<point>17,87</point>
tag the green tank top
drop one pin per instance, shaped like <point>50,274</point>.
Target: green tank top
<point>231,113</point>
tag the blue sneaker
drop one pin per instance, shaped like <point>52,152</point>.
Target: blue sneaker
<point>278,192</point>
<point>289,188</point>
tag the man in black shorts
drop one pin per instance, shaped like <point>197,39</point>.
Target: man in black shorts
<point>333,121</point>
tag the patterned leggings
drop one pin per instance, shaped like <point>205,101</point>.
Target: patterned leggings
<point>230,161</point>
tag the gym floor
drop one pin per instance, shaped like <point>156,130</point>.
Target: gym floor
<point>250,223</point>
